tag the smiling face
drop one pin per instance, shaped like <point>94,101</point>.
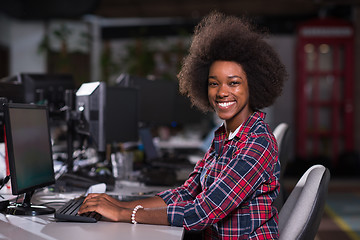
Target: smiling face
<point>228,93</point>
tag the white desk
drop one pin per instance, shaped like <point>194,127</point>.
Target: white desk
<point>46,227</point>
<point>179,143</point>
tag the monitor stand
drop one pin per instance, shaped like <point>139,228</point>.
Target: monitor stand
<point>26,208</point>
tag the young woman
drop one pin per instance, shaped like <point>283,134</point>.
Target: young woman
<point>230,69</point>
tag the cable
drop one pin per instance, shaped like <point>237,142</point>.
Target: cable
<point>4,181</point>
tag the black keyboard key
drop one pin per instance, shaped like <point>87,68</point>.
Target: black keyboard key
<point>69,212</point>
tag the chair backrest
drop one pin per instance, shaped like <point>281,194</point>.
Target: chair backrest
<point>301,213</point>
<point>281,133</point>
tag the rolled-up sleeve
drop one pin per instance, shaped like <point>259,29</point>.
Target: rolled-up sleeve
<point>182,195</point>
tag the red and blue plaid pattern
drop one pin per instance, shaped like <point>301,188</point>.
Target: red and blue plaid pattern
<point>229,194</point>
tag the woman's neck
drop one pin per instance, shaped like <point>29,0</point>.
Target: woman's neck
<point>232,124</point>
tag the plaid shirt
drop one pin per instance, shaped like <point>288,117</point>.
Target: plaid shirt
<point>230,192</point>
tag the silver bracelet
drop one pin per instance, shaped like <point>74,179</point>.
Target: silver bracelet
<point>134,213</point>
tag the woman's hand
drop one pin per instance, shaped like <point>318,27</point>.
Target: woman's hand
<point>107,206</point>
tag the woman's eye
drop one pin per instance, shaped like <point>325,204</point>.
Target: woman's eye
<point>234,83</point>
<point>212,83</point>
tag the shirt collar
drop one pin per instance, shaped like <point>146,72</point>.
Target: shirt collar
<point>244,128</point>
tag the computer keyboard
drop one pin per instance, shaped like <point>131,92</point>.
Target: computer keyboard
<point>69,212</point>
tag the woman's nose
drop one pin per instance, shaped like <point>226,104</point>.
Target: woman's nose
<point>223,91</point>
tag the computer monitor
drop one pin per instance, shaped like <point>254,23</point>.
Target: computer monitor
<point>9,92</point>
<point>162,104</point>
<point>185,113</point>
<point>108,114</point>
<point>156,100</point>
<point>28,143</point>
<point>40,88</point>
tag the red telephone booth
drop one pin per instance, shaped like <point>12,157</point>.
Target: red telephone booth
<point>325,83</point>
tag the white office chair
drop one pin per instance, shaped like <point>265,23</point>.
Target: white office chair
<point>281,133</point>
<point>301,213</point>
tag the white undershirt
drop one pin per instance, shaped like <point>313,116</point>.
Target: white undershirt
<point>233,134</point>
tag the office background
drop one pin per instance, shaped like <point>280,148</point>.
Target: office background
<point>108,39</point>
<point>103,40</point>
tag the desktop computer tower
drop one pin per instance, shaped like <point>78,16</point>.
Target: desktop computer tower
<point>108,114</point>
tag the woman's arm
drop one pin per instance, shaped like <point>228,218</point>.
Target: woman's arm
<point>153,211</point>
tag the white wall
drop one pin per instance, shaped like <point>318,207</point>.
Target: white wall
<point>4,30</point>
<point>25,39</point>
<point>284,108</point>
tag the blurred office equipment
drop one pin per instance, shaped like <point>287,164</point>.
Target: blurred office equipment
<point>108,114</point>
<point>160,103</point>
<point>2,134</point>
<point>156,157</point>
<point>13,91</point>
<point>29,152</point>
<point>162,168</point>
<point>102,117</point>
<point>156,100</point>
<point>38,88</point>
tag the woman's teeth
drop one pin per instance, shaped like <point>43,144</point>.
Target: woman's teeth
<point>225,104</point>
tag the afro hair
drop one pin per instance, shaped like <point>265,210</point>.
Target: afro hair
<point>230,38</point>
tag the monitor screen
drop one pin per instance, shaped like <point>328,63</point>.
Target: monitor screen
<point>156,100</point>
<point>162,104</point>
<point>28,143</point>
